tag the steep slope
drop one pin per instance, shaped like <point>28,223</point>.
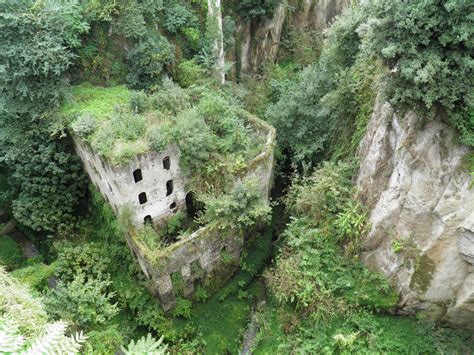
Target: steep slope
<point>412,176</point>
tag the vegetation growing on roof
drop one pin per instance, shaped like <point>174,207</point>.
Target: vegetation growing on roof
<point>209,127</point>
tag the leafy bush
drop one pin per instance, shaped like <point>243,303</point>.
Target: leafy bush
<point>177,17</point>
<point>243,207</point>
<point>146,345</point>
<point>50,183</point>
<point>52,340</point>
<point>312,272</point>
<point>313,275</point>
<point>11,255</point>
<point>83,301</point>
<point>81,258</point>
<point>322,195</point>
<point>35,274</point>
<point>171,98</point>
<point>36,45</point>
<point>84,125</point>
<point>18,304</point>
<point>428,47</point>
<point>183,308</point>
<point>147,60</point>
<point>254,9</point>
<point>313,112</point>
<point>189,72</point>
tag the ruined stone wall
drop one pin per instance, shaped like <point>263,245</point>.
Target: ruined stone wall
<point>208,257</point>
<point>117,183</point>
<point>414,179</point>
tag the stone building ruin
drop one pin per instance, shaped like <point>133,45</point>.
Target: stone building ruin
<point>152,183</point>
<point>155,187</point>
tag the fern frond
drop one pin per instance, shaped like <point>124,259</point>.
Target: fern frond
<point>45,344</point>
<point>146,345</point>
<point>70,345</point>
<point>10,340</point>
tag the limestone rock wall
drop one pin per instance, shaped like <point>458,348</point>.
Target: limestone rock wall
<point>413,178</point>
<point>259,40</point>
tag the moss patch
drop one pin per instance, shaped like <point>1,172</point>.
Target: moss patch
<point>11,255</point>
<point>423,275</point>
<point>35,275</point>
<point>97,101</point>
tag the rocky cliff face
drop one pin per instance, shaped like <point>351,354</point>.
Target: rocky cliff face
<point>260,39</point>
<point>413,178</point>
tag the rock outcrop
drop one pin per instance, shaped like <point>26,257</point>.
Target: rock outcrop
<point>415,182</point>
<point>260,38</point>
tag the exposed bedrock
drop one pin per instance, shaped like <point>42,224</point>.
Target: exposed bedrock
<point>414,179</point>
<point>260,39</point>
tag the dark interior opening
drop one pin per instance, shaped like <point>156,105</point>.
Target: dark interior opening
<point>169,187</point>
<point>148,219</point>
<point>142,198</point>
<point>166,163</point>
<point>137,175</point>
<point>192,205</point>
<point>173,206</point>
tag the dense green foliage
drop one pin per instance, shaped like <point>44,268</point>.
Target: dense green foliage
<point>315,271</point>
<point>35,50</point>
<point>11,256</point>
<point>429,48</point>
<point>319,96</point>
<point>328,97</point>
<point>242,208</point>
<point>322,300</point>
<point>209,126</point>
<point>24,326</point>
<point>255,9</point>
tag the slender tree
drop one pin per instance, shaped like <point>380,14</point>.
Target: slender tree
<point>216,37</point>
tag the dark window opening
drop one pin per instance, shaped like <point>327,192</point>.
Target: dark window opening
<point>173,206</point>
<point>166,163</point>
<point>169,187</point>
<point>103,164</point>
<point>192,206</point>
<point>142,198</point>
<point>110,187</point>
<point>148,220</point>
<point>137,175</point>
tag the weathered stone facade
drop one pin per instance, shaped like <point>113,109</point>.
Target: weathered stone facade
<point>414,179</point>
<point>208,256</point>
<point>152,183</point>
<point>196,259</point>
<point>199,258</point>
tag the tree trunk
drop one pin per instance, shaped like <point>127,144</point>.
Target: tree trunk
<point>217,37</point>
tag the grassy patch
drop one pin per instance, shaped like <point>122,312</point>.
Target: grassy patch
<point>97,101</point>
<point>222,320</point>
<point>11,255</point>
<point>35,275</point>
<point>363,332</point>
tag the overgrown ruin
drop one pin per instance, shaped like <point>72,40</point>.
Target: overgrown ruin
<point>153,187</point>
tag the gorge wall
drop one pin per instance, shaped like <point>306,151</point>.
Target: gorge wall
<point>259,39</point>
<point>414,180</point>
